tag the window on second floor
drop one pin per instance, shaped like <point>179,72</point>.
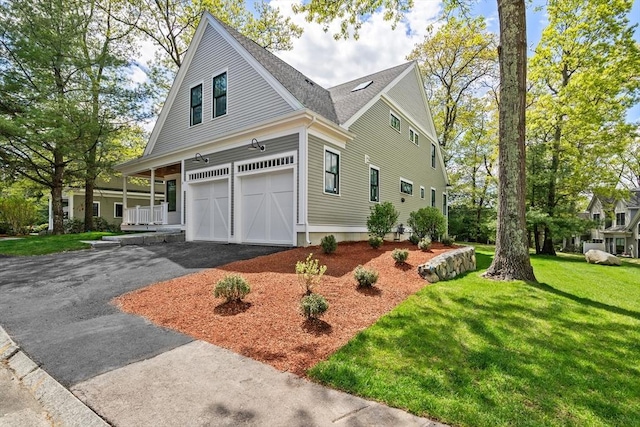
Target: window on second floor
<point>433,155</point>
<point>196,104</point>
<point>220,95</point>
<point>394,121</point>
<point>331,172</point>
<point>620,218</point>
<point>414,137</point>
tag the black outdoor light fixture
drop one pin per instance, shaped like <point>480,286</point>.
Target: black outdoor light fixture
<point>255,145</point>
<point>200,158</point>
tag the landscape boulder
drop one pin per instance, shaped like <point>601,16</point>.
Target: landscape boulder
<point>595,256</point>
<point>448,265</point>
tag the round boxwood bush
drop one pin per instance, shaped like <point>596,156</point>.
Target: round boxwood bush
<point>365,277</point>
<point>425,243</point>
<point>313,306</point>
<point>329,244</point>
<point>375,241</point>
<point>232,287</point>
<point>400,255</point>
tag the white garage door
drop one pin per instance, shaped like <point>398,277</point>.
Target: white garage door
<point>209,211</point>
<point>267,211</point>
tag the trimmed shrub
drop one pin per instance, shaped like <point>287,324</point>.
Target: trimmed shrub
<point>313,306</point>
<point>73,226</point>
<point>382,218</point>
<point>427,221</point>
<point>414,239</point>
<point>424,244</point>
<point>448,241</point>
<point>101,224</point>
<point>365,277</point>
<point>400,255</point>
<point>309,273</point>
<point>232,287</point>
<point>375,242</point>
<point>329,244</point>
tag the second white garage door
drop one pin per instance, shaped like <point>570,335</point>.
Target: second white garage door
<point>267,208</point>
<point>209,211</point>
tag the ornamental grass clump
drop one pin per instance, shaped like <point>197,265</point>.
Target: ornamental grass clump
<point>365,277</point>
<point>400,255</point>
<point>232,287</point>
<point>375,242</point>
<point>309,273</point>
<point>329,244</point>
<point>313,306</point>
<point>425,243</point>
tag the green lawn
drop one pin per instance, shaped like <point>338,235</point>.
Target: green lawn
<point>473,352</point>
<point>42,245</point>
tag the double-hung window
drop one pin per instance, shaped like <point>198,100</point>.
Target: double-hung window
<point>414,137</point>
<point>96,209</point>
<point>394,121</point>
<point>117,210</point>
<point>331,171</point>
<point>620,218</point>
<point>433,197</point>
<point>374,184</point>
<point>220,95</point>
<point>406,186</point>
<point>196,104</point>
<point>433,155</point>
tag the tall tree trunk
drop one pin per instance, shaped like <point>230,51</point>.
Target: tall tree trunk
<point>511,261</point>
<point>56,192</point>
<point>89,185</point>
<point>536,238</point>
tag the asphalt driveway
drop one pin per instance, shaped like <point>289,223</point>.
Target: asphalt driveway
<point>56,307</point>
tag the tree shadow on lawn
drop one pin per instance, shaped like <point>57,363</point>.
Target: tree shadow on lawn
<point>523,348</point>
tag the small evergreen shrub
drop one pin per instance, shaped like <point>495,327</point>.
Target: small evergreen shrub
<point>414,239</point>
<point>382,218</point>
<point>329,244</point>
<point>309,273</point>
<point>375,242</point>
<point>424,244</point>
<point>73,226</point>
<point>448,241</point>
<point>400,255</point>
<point>232,287</point>
<point>428,221</point>
<point>101,224</point>
<point>313,306</point>
<point>365,277</point>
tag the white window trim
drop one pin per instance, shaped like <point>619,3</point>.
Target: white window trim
<point>423,192</point>
<point>433,159</point>
<point>213,99</point>
<point>96,203</point>
<point>408,181</point>
<point>433,198</point>
<point>415,134</point>
<point>115,211</point>
<point>378,169</point>
<point>397,116</point>
<point>201,82</point>
<point>324,170</point>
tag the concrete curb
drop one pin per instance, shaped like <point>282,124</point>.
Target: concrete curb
<point>64,408</point>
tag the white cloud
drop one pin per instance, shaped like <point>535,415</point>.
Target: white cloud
<point>330,62</point>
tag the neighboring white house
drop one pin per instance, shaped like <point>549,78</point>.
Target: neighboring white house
<point>253,151</point>
<point>618,231</point>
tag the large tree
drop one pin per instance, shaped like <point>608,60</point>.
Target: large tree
<point>511,259</point>
<point>584,79</point>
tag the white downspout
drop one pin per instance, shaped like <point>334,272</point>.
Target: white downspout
<point>306,181</point>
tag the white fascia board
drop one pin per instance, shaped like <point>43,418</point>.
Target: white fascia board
<point>111,193</point>
<point>375,99</point>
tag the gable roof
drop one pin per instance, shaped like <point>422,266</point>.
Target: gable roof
<point>348,102</point>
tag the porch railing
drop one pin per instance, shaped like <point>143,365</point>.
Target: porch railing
<point>147,215</point>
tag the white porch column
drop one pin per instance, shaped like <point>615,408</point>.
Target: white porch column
<point>124,192</point>
<point>183,190</point>
<point>70,204</point>
<point>50,214</point>
<point>153,188</point>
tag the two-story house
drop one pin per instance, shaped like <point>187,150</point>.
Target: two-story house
<point>618,230</point>
<point>253,151</point>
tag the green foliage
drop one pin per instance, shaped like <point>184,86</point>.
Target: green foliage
<point>365,277</point>
<point>414,239</point>
<point>309,273</point>
<point>329,244</point>
<point>313,306</point>
<point>400,255</point>
<point>73,226</point>
<point>375,242</point>
<point>48,244</point>
<point>472,224</point>
<point>18,213</point>
<point>232,287</point>
<point>425,243</point>
<point>448,240</point>
<point>427,221</point>
<point>382,218</point>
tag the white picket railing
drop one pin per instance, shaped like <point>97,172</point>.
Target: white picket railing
<point>147,215</point>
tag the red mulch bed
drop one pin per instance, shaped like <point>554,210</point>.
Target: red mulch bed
<point>268,326</point>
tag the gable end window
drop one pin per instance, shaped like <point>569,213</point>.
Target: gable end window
<point>620,218</point>
<point>406,186</point>
<point>220,95</point>
<point>433,155</point>
<point>374,184</point>
<point>331,172</point>
<point>414,137</point>
<point>394,121</point>
<point>196,104</point>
